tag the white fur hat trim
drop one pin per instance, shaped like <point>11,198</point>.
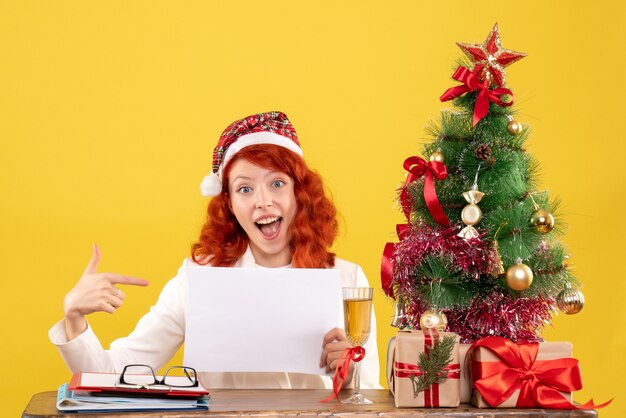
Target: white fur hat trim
<point>212,184</point>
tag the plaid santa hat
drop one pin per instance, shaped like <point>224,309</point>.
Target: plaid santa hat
<point>264,128</point>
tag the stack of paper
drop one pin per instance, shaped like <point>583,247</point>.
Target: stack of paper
<point>97,392</point>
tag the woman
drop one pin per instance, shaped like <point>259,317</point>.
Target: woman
<point>268,210</point>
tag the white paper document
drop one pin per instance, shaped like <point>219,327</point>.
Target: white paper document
<point>260,320</point>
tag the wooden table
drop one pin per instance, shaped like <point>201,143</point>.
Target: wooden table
<point>302,404</point>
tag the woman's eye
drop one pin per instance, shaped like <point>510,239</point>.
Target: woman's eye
<point>244,189</point>
<point>278,183</point>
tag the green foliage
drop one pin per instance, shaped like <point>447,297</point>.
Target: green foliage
<point>510,226</point>
<point>550,270</point>
<point>452,127</point>
<point>441,282</point>
<point>505,177</point>
<point>432,364</point>
<point>449,192</point>
<point>506,173</point>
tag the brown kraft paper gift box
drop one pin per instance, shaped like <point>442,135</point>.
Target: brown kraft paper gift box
<point>547,351</point>
<point>402,359</point>
<point>465,380</point>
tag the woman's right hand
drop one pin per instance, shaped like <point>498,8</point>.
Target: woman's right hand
<point>94,292</point>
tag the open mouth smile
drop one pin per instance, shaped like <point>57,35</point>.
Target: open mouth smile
<point>269,226</point>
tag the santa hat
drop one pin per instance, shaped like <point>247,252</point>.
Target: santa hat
<point>264,128</point>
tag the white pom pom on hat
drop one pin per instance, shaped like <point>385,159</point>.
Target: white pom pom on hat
<point>263,128</point>
<point>211,185</point>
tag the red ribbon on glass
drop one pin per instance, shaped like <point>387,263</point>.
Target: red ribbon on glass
<point>417,167</point>
<point>539,381</point>
<point>406,370</point>
<point>471,82</point>
<point>355,354</point>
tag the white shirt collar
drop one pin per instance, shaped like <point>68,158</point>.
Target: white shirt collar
<point>247,260</point>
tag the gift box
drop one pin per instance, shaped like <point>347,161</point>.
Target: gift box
<point>532,375</point>
<point>403,371</point>
<point>465,381</point>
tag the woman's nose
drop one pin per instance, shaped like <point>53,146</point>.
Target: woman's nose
<point>264,199</point>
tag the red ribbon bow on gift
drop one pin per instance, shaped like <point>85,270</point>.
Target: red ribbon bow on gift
<point>471,82</point>
<point>431,395</point>
<point>355,354</point>
<point>408,370</point>
<point>539,381</point>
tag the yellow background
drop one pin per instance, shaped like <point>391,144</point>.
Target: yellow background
<point>109,112</point>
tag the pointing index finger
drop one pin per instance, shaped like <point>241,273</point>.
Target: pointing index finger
<point>128,280</point>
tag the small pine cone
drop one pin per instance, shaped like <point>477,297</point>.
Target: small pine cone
<point>482,152</point>
<point>491,161</point>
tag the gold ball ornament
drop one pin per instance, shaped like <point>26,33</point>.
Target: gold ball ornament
<point>542,220</point>
<point>433,319</point>
<point>570,301</point>
<point>519,276</point>
<point>437,156</point>
<point>514,127</point>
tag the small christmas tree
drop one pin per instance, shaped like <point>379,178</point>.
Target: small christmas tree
<point>480,254</point>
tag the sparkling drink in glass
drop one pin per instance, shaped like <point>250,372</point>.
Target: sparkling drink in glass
<point>357,311</point>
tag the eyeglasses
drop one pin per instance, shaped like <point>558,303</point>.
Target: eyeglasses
<point>141,376</point>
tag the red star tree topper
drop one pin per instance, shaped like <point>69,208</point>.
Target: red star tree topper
<point>490,58</point>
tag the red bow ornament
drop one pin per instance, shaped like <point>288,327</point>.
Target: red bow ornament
<point>541,383</point>
<point>417,167</point>
<point>471,82</point>
<point>386,265</point>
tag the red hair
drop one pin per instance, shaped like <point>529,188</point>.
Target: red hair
<point>314,229</point>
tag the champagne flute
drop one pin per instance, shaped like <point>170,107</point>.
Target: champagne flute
<point>357,312</point>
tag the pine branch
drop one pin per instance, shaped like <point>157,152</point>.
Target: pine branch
<point>432,365</point>
<point>439,282</point>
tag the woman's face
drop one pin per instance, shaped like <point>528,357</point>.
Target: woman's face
<point>264,204</point>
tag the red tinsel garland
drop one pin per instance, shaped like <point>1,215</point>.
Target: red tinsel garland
<point>492,313</point>
<point>517,319</point>
<point>473,256</point>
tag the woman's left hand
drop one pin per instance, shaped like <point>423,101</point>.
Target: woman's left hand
<point>335,343</point>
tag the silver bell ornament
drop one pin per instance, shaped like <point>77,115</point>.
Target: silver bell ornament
<point>400,318</point>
